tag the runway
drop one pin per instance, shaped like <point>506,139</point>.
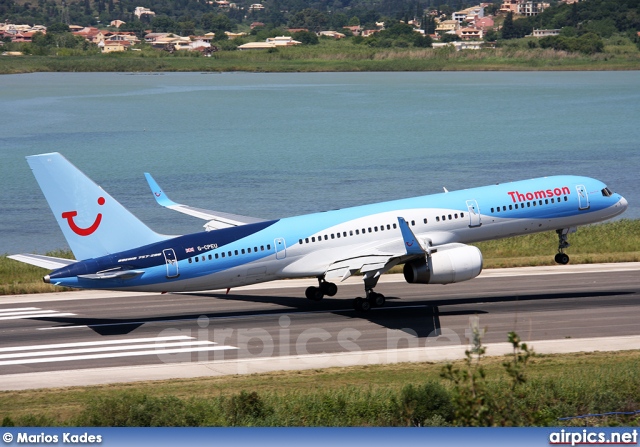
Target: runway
<point>77,338</point>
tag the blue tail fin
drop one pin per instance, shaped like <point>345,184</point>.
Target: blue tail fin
<point>92,221</point>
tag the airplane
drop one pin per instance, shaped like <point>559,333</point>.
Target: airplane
<point>428,234</point>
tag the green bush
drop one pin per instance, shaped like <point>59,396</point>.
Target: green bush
<point>426,404</point>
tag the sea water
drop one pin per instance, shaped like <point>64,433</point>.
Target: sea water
<point>272,145</point>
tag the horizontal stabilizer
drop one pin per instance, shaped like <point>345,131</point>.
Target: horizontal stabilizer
<point>46,262</point>
<point>217,219</point>
<point>120,274</point>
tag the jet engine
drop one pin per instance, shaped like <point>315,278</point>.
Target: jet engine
<point>451,263</point>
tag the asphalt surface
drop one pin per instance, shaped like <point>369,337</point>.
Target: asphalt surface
<point>88,330</point>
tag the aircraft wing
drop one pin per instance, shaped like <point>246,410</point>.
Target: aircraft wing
<point>217,219</point>
<point>47,262</point>
<point>376,260</point>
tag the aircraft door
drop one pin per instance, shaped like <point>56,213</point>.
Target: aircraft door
<point>583,197</point>
<point>474,213</point>
<point>281,248</point>
<point>172,262</point>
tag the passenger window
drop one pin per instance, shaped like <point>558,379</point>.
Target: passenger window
<point>413,223</point>
<point>196,259</point>
<point>344,234</point>
<point>242,251</point>
<point>262,248</point>
<point>190,261</point>
<point>394,226</point>
<point>437,218</point>
<point>375,229</point>
<point>450,217</point>
<point>203,258</point>
<point>333,236</point>
<point>217,256</point>
<point>389,226</point>
<point>350,232</point>
<point>338,235</point>
<point>313,239</point>
<point>461,215</point>
<point>369,229</point>
<point>223,254</point>
<point>300,241</point>
<point>504,208</point>
<point>357,231</point>
<point>268,246</point>
<point>235,252</point>
<point>210,257</point>
<point>444,218</point>
<point>306,239</point>
<point>326,237</point>
<point>546,201</point>
<point>511,207</point>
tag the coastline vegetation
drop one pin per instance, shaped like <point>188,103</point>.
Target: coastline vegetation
<point>617,241</point>
<point>332,56</point>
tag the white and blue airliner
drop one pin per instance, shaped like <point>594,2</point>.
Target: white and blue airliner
<point>428,234</point>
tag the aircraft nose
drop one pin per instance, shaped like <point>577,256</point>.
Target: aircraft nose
<point>623,203</point>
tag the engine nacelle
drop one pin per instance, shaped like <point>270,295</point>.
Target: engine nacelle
<point>456,264</point>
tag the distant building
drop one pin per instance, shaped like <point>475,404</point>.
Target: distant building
<point>256,25</point>
<point>484,23</point>
<point>539,33</point>
<point>256,7</point>
<point>142,11</point>
<point>333,34</point>
<point>117,23</point>
<point>471,34</point>
<point>355,29</point>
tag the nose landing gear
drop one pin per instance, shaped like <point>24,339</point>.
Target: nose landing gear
<point>561,257</point>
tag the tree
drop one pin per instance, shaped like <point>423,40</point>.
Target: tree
<point>58,28</point>
<point>306,37</point>
<point>508,28</point>
<point>163,24</point>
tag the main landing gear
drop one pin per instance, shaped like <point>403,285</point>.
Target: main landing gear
<point>562,257</point>
<point>373,299</point>
<point>324,288</point>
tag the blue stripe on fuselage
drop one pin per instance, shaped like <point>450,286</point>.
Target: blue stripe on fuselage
<point>152,255</point>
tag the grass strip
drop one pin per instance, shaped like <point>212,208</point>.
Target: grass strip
<point>373,395</point>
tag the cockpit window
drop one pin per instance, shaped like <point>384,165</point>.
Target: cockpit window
<point>607,192</point>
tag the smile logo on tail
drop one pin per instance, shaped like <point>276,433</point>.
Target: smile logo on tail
<point>158,194</point>
<point>69,215</point>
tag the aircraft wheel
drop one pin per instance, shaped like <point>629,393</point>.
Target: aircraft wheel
<point>314,293</point>
<point>562,258</point>
<point>329,288</point>
<point>377,299</point>
<point>361,304</point>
